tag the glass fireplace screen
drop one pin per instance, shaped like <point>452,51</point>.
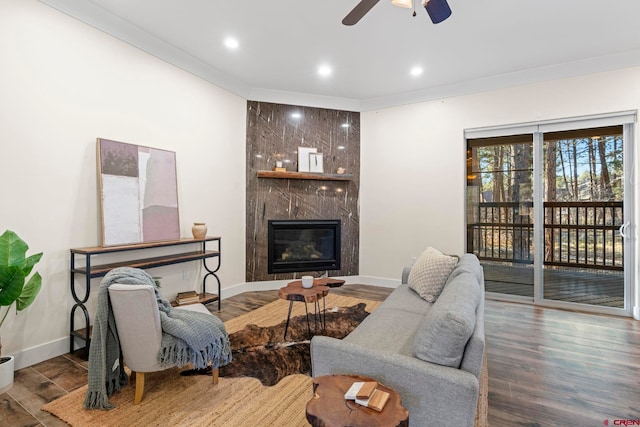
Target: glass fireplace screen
<point>303,245</point>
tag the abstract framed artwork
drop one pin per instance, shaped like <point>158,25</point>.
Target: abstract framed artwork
<point>138,193</point>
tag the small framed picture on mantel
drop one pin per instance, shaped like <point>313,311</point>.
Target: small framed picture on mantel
<point>304,159</point>
<point>315,163</point>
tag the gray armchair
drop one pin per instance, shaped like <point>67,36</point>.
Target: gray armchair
<point>138,322</point>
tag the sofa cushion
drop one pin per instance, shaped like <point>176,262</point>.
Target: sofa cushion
<point>448,325</point>
<point>387,330</point>
<point>430,272</point>
<point>405,299</point>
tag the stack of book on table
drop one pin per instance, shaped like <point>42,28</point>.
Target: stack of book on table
<point>187,297</point>
<point>367,394</point>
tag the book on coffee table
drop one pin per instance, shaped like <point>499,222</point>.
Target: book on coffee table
<point>360,390</point>
<point>377,400</point>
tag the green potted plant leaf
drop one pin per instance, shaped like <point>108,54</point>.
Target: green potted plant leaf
<point>15,287</point>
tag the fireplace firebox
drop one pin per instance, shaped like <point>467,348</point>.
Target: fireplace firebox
<point>303,245</point>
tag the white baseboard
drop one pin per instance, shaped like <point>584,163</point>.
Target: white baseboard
<point>240,288</point>
<point>373,281</point>
<point>33,355</point>
<point>636,312</point>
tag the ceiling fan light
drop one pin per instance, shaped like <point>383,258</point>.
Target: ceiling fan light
<point>403,3</point>
<point>438,10</point>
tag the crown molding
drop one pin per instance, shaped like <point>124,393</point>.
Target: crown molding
<point>95,16</point>
<point>502,81</point>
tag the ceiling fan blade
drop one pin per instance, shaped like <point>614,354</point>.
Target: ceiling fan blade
<point>359,11</point>
<point>438,10</point>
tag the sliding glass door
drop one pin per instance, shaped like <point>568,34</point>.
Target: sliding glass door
<point>583,187</point>
<point>547,212</point>
<point>500,211</point>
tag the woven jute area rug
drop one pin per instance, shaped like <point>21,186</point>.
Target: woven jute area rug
<point>174,400</point>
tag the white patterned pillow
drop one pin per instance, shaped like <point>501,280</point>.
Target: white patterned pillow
<point>430,272</point>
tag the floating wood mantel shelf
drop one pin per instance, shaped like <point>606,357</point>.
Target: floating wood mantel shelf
<point>306,175</point>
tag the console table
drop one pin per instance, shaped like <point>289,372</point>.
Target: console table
<point>90,271</point>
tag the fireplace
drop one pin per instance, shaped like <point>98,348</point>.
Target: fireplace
<point>303,245</point>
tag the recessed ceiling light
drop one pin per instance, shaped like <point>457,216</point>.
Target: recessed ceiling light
<point>296,115</point>
<point>341,147</point>
<point>324,70</point>
<point>231,43</point>
<point>345,125</point>
<point>259,156</point>
<point>416,71</point>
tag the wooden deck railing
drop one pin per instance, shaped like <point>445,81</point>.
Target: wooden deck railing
<point>576,234</point>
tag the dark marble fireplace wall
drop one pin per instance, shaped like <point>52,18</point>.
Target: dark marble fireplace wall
<point>274,132</point>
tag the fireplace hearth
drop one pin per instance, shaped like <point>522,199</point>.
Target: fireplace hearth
<point>303,245</point>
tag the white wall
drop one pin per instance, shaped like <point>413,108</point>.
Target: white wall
<point>62,85</point>
<point>413,160</point>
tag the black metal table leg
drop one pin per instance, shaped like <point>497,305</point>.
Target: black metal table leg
<point>213,272</point>
<point>288,317</point>
<point>316,306</point>
<point>324,315</point>
<point>308,324</point>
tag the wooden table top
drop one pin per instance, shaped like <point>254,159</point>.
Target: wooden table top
<point>328,406</point>
<point>325,281</point>
<point>298,293</point>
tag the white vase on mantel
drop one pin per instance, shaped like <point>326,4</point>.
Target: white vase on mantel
<point>7,365</point>
<point>199,230</point>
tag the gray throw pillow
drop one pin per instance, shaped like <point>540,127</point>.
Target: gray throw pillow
<point>430,272</point>
<point>446,328</point>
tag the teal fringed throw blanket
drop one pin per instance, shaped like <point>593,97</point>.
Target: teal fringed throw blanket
<point>188,337</point>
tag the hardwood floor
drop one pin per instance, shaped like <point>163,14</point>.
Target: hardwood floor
<point>558,368</point>
<point>547,367</point>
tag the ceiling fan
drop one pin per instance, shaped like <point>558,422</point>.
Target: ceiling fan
<point>438,10</point>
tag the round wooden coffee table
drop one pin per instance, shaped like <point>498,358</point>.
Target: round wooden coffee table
<point>328,406</point>
<point>294,292</point>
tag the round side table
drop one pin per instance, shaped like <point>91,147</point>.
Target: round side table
<point>314,294</point>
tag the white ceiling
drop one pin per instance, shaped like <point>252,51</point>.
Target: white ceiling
<point>484,45</point>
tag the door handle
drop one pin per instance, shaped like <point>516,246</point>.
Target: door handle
<point>622,229</point>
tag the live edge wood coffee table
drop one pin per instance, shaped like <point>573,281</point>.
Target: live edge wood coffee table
<point>295,292</point>
<point>329,408</point>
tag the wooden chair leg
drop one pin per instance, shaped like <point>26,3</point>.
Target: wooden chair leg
<point>214,372</point>
<point>139,387</point>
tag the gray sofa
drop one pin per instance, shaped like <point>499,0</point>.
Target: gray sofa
<point>407,342</point>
